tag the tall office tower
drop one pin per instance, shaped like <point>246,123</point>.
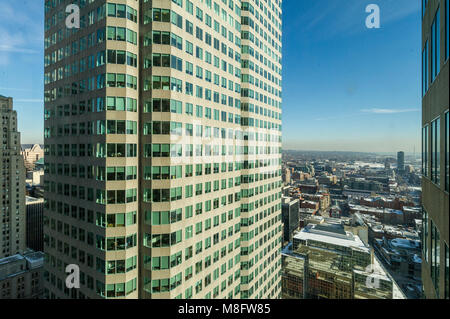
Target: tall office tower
<point>401,161</point>
<point>435,148</point>
<point>262,232</point>
<point>163,149</point>
<point>12,181</point>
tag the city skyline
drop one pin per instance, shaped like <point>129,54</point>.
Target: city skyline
<point>375,117</point>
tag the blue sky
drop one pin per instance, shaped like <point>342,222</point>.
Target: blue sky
<point>345,87</point>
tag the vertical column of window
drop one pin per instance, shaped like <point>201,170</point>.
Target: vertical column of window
<point>424,7</point>
<point>435,256</point>
<point>435,46</point>
<point>447,150</point>
<point>425,69</point>
<point>446,281</point>
<point>425,150</point>
<point>447,29</point>
<point>425,227</point>
<point>435,151</point>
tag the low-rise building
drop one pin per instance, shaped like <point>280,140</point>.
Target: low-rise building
<point>21,276</point>
<point>325,261</point>
<point>401,255</point>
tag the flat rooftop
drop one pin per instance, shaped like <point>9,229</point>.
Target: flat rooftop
<point>31,200</point>
<point>331,234</point>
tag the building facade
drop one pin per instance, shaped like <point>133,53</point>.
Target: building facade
<point>12,182</point>
<point>435,147</point>
<point>35,223</point>
<point>21,276</point>
<point>401,161</point>
<point>163,149</point>
<point>291,216</point>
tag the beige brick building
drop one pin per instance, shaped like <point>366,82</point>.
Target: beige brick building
<point>12,182</point>
<point>31,155</point>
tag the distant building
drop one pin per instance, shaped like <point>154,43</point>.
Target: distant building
<point>402,255</point>
<point>328,180</point>
<point>435,148</point>
<point>323,199</point>
<point>335,211</point>
<point>385,215</point>
<point>35,223</point>
<point>31,154</point>
<point>35,177</point>
<point>306,168</point>
<point>310,204</point>
<point>387,164</point>
<point>401,161</point>
<point>12,184</point>
<point>326,262</point>
<point>309,186</point>
<point>290,216</point>
<point>380,202</point>
<point>363,184</point>
<point>287,176</point>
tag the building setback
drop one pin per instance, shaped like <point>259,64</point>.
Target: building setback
<point>435,148</point>
<point>163,149</point>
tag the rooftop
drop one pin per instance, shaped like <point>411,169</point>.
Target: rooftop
<point>331,234</point>
<point>32,200</point>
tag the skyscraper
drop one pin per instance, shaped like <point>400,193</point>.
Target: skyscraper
<point>163,149</point>
<point>401,161</point>
<point>12,182</point>
<point>435,147</point>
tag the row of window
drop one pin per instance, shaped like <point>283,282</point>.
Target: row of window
<point>99,82</point>
<point>122,173</point>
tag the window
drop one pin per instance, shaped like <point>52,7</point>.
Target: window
<point>446,270</point>
<point>435,256</point>
<point>425,150</point>
<point>435,151</point>
<point>435,46</point>
<point>447,29</point>
<point>424,7</point>
<point>425,69</point>
<point>425,234</point>
<point>447,155</point>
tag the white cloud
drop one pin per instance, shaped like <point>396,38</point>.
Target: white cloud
<point>12,48</point>
<point>29,100</point>
<point>388,111</point>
